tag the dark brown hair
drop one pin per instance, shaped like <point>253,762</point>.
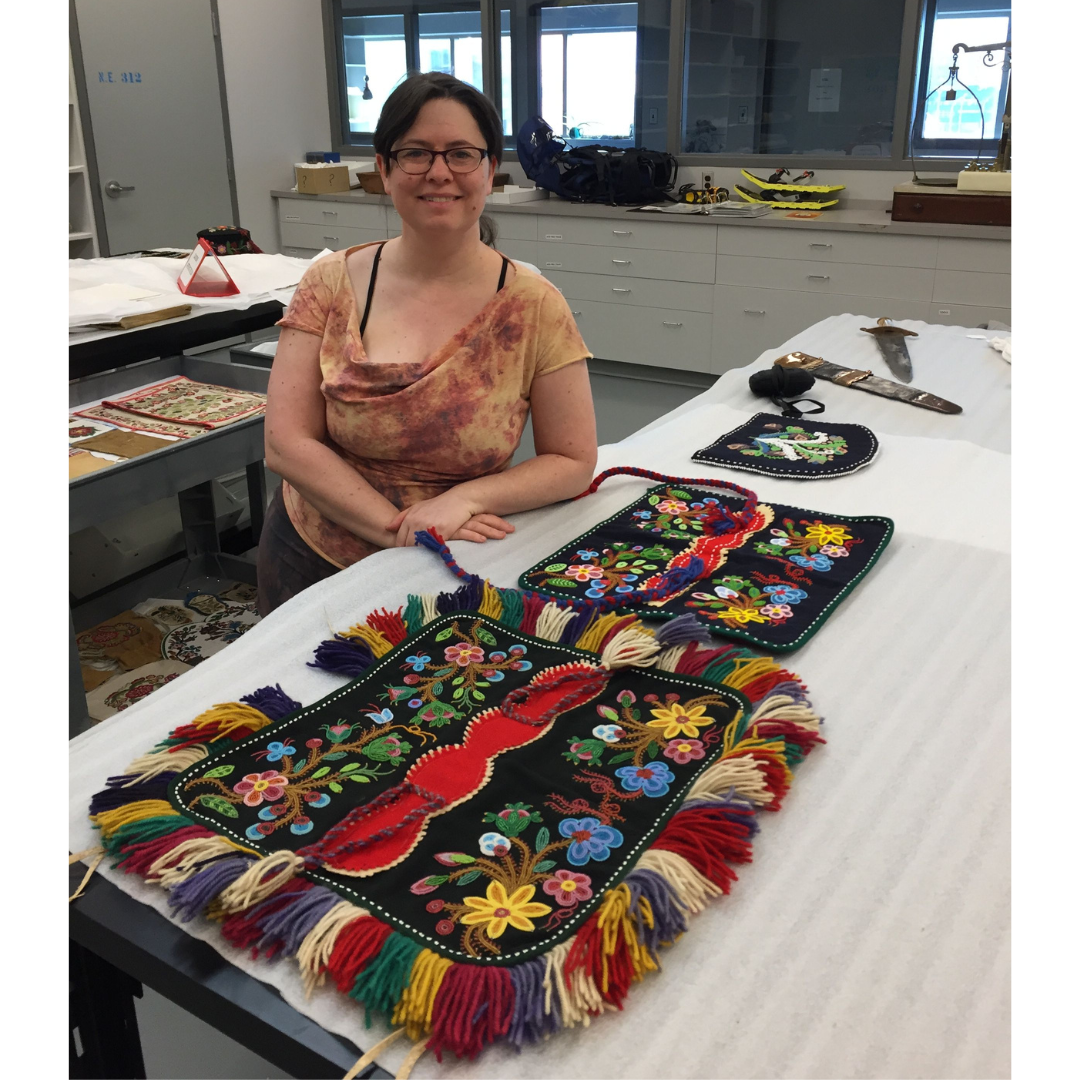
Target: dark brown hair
<point>405,102</point>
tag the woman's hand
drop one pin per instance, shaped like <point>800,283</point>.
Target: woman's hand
<point>452,516</point>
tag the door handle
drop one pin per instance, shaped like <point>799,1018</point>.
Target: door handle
<point>575,312</point>
<point>672,323</point>
<point>623,232</point>
<point>621,262</point>
<point>820,245</point>
<point>817,277</point>
<point>613,289</point>
<point>753,311</point>
<point>113,189</point>
<point>330,237</point>
<point>333,213</point>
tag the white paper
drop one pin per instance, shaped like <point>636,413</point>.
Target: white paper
<point>825,89</point>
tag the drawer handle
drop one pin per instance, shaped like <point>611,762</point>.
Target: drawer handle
<point>672,324</point>
<point>575,312</point>
<point>613,289</point>
<point>333,213</point>
<point>623,232</point>
<point>621,262</point>
<point>817,277</point>
<point>821,245</point>
<point>754,311</point>
<point>331,238</point>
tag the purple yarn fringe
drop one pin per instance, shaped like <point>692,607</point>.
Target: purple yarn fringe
<point>669,916</point>
<point>293,922</point>
<point>191,896</point>
<point>343,656</point>
<point>272,701</point>
<point>682,631</point>
<point>529,1023</point>
<point>112,796</point>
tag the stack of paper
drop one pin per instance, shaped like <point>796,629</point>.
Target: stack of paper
<point>739,209</point>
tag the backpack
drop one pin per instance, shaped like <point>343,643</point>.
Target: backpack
<point>596,174</point>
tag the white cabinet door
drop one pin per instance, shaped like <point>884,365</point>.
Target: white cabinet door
<point>970,287</point>
<point>634,263</point>
<point>838,279</point>
<point>834,247</point>
<point>677,295</point>
<point>334,237</point>
<point>698,235</point>
<point>987,256</point>
<point>317,212</point>
<point>652,336</point>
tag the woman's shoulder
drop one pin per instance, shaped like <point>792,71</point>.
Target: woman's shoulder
<point>532,283</point>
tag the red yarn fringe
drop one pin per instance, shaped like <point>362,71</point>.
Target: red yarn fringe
<point>141,856</point>
<point>474,1007</point>
<point>390,624</point>
<point>242,930</point>
<point>531,608</point>
<point>708,839</point>
<point>357,945</point>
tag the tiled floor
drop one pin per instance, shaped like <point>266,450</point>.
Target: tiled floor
<point>175,1043</point>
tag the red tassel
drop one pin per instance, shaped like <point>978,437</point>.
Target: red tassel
<point>612,973</point>
<point>531,609</point>
<point>708,840</point>
<point>697,658</point>
<point>357,945</point>
<point>758,689</point>
<point>141,856</point>
<point>473,1007</point>
<point>390,624</point>
<point>241,930</point>
<point>784,729</point>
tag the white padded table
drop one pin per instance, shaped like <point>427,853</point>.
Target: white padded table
<point>870,935</point>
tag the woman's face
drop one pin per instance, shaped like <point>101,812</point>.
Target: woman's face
<point>439,199</point>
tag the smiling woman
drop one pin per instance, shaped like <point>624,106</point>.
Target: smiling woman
<point>407,368</point>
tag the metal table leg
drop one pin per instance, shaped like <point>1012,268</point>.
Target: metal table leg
<point>256,486</point>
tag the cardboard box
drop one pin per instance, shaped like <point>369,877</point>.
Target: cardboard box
<point>313,180</point>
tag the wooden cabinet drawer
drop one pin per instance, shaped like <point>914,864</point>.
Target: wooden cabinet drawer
<point>660,338</point>
<point>971,287</point>
<point>512,226</point>
<point>748,322</point>
<point>697,236</point>
<point>316,212</point>
<point>985,256</point>
<point>678,295</point>
<point>636,263</point>
<point>334,237</point>
<point>902,282</point>
<point>821,246</point>
<point>965,315</point>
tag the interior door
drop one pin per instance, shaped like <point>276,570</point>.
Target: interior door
<point>155,102</point>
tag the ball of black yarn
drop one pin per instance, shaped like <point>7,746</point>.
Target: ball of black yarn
<point>780,382</point>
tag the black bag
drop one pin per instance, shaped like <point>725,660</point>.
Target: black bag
<point>595,174</point>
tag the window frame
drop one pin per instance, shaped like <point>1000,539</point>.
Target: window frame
<point>899,159</point>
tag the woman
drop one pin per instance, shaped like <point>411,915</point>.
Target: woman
<point>406,368</point>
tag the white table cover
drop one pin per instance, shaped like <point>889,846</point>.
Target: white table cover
<point>870,935</point>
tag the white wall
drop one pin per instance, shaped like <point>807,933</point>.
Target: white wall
<point>275,81</point>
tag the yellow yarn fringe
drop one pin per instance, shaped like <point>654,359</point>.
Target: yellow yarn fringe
<point>740,776</point>
<point>414,1008</point>
<point>669,659</point>
<point>314,952</point>
<point>629,648</point>
<point>492,604</point>
<point>261,881</point>
<point>552,621</point>
<point>427,608</point>
<point>108,821</point>
<point>748,669</point>
<point>600,625</point>
<point>179,863</point>
<point>158,761</point>
<point>374,639</point>
<point>613,919</point>
<point>231,716</point>
<point>692,889</point>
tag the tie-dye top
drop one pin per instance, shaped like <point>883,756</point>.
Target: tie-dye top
<point>414,430</point>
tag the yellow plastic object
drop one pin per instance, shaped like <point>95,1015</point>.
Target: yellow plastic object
<point>791,204</point>
<point>822,189</point>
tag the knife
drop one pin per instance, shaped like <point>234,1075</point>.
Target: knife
<point>890,340</point>
<point>863,380</point>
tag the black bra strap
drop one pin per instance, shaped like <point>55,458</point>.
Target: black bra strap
<point>502,276</point>
<point>371,287</point>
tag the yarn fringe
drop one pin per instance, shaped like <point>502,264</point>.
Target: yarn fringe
<point>265,904</point>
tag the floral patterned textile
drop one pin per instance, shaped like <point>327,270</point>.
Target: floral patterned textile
<point>543,816</point>
<point>129,421</point>
<point>124,690</point>
<point>795,450</point>
<point>775,590</point>
<point>183,400</point>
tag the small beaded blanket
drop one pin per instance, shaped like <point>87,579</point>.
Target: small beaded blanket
<point>491,830</point>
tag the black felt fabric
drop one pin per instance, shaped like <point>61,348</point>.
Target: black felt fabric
<point>794,449</point>
<point>775,591</point>
<point>570,774</point>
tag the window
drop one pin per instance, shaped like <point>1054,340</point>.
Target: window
<point>790,77</point>
<point>959,114</point>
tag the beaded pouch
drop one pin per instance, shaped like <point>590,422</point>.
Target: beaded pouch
<point>771,580</point>
<point>491,829</point>
<point>792,449</point>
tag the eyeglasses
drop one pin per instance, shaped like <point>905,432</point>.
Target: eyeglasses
<point>461,159</point>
